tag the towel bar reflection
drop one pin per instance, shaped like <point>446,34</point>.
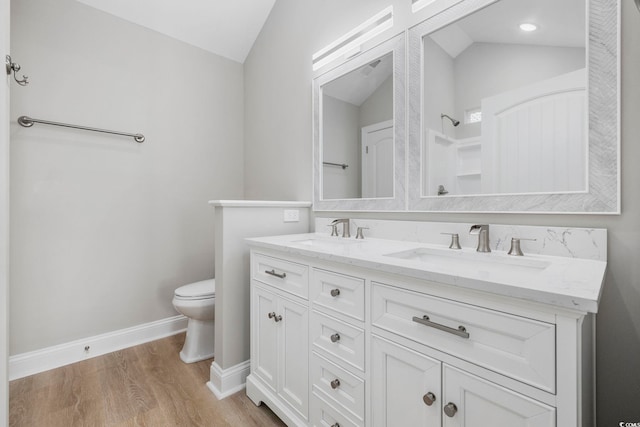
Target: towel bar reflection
<point>340,165</point>
<point>28,122</point>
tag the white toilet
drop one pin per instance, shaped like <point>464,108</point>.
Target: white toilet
<point>197,302</point>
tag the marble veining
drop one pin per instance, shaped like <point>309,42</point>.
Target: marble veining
<point>586,243</point>
<point>561,281</point>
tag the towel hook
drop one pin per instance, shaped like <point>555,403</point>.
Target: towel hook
<point>15,67</point>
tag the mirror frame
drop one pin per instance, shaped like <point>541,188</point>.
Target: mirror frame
<point>603,179</point>
<point>396,46</point>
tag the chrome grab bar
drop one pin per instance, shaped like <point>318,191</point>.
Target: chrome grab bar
<point>424,320</point>
<point>28,122</point>
<point>278,275</point>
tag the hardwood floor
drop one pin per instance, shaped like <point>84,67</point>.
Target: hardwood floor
<point>146,385</point>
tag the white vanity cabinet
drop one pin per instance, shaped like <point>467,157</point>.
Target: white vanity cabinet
<point>378,349</point>
<point>338,347</point>
<point>410,388</point>
<point>279,335</point>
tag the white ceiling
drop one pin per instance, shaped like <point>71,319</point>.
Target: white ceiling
<point>225,27</point>
<point>560,23</point>
<point>358,85</point>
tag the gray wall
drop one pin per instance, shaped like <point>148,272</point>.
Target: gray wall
<point>378,107</point>
<point>279,68</point>
<point>439,89</point>
<point>341,145</point>
<point>104,229</point>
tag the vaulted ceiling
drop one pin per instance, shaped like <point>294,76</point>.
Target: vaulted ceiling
<point>225,27</point>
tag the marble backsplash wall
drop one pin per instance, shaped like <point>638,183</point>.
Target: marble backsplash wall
<point>587,243</point>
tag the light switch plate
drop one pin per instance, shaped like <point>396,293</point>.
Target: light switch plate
<point>291,215</point>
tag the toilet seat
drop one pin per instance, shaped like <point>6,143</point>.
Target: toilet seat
<point>198,290</point>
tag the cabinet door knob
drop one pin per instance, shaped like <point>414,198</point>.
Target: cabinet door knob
<point>335,337</point>
<point>336,425</point>
<point>429,398</point>
<point>450,409</point>
<point>273,316</point>
<point>335,384</point>
<point>335,292</point>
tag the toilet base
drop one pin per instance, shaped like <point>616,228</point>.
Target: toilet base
<point>199,343</point>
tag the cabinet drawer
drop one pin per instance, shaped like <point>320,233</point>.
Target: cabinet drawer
<point>338,386</point>
<point>338,292</point>
<point>518,347</point>
<point>286,275</point>
<point>339,339</point>
<point>325,415</point>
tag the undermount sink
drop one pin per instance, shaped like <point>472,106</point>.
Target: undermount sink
<point>327,243</point>
<point>450,258</point>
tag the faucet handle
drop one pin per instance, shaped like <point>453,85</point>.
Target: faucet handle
<point>334,229</point>
<point>455,240</point>
<point>515,250</point>
<point>359,234</point>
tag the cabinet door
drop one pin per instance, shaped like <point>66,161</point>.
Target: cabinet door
<point>294,355</point>
<point>479,403</point>
<point>405,386</point>
<point>264,337</point>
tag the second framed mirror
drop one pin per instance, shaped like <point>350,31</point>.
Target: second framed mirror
<point>506,97</point>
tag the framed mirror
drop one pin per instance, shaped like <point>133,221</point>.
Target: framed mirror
<point>514,107</point>
<point>359,131</point>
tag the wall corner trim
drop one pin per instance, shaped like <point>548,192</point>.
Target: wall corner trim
<point>225,382</point>
<point>33,362</point>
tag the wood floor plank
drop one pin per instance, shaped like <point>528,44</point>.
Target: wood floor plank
<point>142,386</point>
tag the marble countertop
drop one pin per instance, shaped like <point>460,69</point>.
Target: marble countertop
<point>559,281</point>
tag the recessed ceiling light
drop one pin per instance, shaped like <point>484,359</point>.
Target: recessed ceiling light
<point>528,27</point>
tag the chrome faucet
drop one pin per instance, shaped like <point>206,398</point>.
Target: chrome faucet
<point>345,226</point>
<point>482,230</point>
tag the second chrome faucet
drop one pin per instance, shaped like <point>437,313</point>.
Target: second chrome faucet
<point>482,230</point>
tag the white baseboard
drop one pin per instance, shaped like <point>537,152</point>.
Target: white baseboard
<point>225,382</point>
<point>33,362</point>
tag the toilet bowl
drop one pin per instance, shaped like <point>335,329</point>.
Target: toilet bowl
<point>196,301</point>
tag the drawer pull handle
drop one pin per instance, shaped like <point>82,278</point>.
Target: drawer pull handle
<point>335,292</point>
<point>336,425</point>
<point>335,384</point>
<point>273,316</point>
<point>278,275</point>
<point>335,337</point>
<point>450,409</point>
<point>429,398</point>
<point>424,320</point>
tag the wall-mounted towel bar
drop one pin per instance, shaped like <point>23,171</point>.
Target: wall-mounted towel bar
<point>340,165</point>
<point>28,122</point>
